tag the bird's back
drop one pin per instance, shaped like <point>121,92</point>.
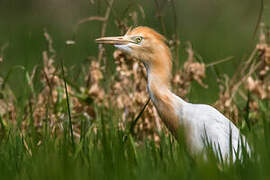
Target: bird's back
<point>205,124</point>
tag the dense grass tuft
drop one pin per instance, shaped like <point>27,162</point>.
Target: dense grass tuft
<point>106,154</point>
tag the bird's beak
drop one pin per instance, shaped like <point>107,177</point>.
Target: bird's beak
<point>119,40</point>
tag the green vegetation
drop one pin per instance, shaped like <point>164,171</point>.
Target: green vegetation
<point>110,154</point>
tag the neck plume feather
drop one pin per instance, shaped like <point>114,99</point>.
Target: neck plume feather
<point>158,80</point>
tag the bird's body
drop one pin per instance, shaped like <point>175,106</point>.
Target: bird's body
<point>198,121</point>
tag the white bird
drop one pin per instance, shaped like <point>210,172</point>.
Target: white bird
<point>198,121</point>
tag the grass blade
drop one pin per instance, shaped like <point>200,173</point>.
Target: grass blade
<point>68,106</point>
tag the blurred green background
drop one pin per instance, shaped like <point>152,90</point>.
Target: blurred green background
<point>216,28</point>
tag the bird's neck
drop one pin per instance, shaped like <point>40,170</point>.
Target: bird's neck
<point>165,101</point>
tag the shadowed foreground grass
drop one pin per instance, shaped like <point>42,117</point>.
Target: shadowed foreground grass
<point>112,154</point>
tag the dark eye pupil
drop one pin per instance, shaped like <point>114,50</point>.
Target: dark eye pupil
<point>139,39</point>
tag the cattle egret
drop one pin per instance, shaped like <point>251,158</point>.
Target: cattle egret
<point>198,121</point>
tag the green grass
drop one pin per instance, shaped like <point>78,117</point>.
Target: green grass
<point>107,155</point>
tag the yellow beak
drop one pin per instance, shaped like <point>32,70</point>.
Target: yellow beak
<point>118,40</point>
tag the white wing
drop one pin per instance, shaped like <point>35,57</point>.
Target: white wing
<point>206,120</point>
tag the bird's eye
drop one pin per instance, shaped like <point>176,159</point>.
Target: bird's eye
<point>138,39</point>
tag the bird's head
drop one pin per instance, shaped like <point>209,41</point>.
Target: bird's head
<point>142,43</point>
